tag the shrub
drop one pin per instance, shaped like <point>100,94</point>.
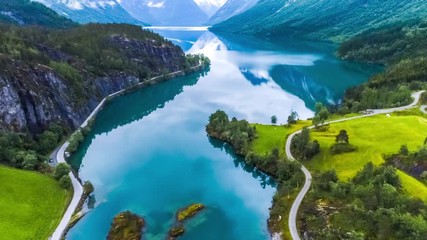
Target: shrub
<point>65,182</point>
<point>339,148</point>
<point>75,141</point>
<point>61,170</point>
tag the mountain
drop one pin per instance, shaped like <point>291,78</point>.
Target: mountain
<point>210,7</point>
<point>166,12</point>
<point>231,8</point>
<point>92,11</point>
<point>59,76</point>
<point>327,19</point>
<point>25,12</point>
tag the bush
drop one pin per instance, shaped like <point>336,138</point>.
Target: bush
<point>30,161</point>
<point>65,182</point>
<point>47,141</point>
<point>61,170</point>
<point>301,146</point>
<point>88,188</point>
<point>75,141</point>
<point>339,148</point>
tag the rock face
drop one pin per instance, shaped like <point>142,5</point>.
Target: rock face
<point>34,96</point>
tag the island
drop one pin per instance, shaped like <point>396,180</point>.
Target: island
<point>126,225</point>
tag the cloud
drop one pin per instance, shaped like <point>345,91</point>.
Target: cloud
<point>156,5</point>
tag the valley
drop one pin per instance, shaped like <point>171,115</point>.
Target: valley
<point>281,119</point>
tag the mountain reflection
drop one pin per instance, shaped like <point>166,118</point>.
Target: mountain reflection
<point>307,70</point>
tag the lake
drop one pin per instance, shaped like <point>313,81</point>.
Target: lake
<point>148,151</point>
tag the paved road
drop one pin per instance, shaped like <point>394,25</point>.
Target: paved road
<point>78,192</point>
<point>292,221</point>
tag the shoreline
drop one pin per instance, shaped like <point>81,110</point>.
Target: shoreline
<point>60,155</point>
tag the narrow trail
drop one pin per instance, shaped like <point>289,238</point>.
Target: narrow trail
<point>292,221</point>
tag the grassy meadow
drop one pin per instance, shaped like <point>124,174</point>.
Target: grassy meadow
<point>31,204</point>
<point>271,136</point>
<point>373,137</point>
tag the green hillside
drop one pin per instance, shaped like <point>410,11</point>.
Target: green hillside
<point>328,19</point>
<point>26,12</point>
<point>32,204</point>
<point>403,49</point>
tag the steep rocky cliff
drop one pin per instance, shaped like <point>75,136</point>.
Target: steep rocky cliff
<point>36,93</point>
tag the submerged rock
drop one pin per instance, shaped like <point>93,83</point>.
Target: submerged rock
<point>176,232</point>
<point>189,212</point>
<point>126,225</point>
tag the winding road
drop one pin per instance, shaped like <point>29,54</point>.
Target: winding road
<point>292,221</point>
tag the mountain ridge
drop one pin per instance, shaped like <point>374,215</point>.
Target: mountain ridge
<point>230,9</point>
<point>26,12</point>
<point>92,11</point>
<point>327,20</point>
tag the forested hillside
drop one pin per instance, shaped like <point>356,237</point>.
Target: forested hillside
<point>327,19</point>
<point>92,11</point>
<point>58,77</point>
<point>403,49</point>
<point>26,12</point>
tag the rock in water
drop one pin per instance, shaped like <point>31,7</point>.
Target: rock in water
<point>176,232</point>
<point>126,226</point>
<point>189,212</point>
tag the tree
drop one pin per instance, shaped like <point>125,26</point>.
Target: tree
<point>218,122</point>
<point>88,188</point>
<point>342,137</point>
<point>273,119</point>
<point>65,182</point>
<point>75,141</point>
<point>321,115</point>
<point>30,161</point>
<point>61,170</point>
<point>318,107</point>
<point>47,141</point>
<point>292,119</point>
<point>404,150</point>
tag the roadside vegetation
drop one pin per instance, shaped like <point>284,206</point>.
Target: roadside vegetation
<point>32,204</point>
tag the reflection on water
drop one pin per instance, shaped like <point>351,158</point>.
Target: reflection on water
<point>148,151</point>
<point>304,69</point>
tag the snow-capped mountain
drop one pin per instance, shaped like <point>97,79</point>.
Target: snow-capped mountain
<point>210,7</point>
<point>231,8</point>
<point>85,11</point>
<point>167,12</point>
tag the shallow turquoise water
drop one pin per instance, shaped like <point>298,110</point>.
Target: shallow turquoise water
<point>149,153</point>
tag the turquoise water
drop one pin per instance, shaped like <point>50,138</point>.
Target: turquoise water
<point>149,153</point>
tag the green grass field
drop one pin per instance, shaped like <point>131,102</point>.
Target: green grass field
<point>271,136</point>
<point>373,136</point>
<point>31,204</point>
